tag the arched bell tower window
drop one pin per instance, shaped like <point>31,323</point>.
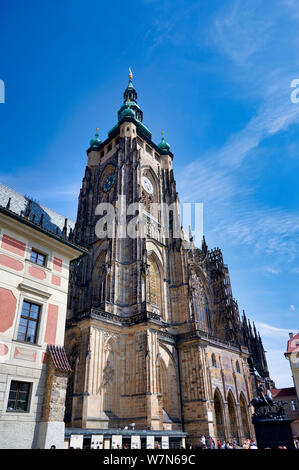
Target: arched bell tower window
<point>154,284</point>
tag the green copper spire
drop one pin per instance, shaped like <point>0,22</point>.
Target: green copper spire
<point>127,111</point>
<point>130,100</point>
<point>163,145</point>
<point>95,142</point>
<point>130,92</point>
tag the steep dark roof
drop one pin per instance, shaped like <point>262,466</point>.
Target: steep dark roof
<point>37,216</point>
<point>18,204</point>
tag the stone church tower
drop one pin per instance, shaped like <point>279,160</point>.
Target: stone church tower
<point>154,335</point>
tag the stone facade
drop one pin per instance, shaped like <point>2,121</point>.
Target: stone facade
<point>154,335</point>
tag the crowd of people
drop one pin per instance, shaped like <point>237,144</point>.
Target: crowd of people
<point>209,443</point>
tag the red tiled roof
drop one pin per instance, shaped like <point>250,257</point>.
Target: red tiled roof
<point>59,357</point>
<point>293,344</point>
<point>283,392</point>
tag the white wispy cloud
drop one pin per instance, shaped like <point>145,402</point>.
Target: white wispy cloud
<point>279,367</point>
<point>240,31</point>
<point>276,113</point>
<point>239,24</point>
<point>269,331</point>
<point>271,270</point>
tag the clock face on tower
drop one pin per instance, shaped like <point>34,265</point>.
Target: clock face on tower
<point>109,182</point>
<point>147,185</point>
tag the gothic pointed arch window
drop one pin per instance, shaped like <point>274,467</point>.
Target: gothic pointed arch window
<point>201,306</point>
<point>109,386</point>
<point>167,388</point>
<point>219,421</point>
<point>244,416</point>
<point>154,284</point>
<point>99,280</point>
<point>214,362</point>
<point>163,387</point>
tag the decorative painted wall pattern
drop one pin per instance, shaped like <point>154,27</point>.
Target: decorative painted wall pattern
<point>57,264</point>
<point>7,309</point>
<point>56,280</point>
<point>11,263</point>
<point>37,273</point>
<point>51,326</point>
<point>25,354</point>
<point>12,244</point>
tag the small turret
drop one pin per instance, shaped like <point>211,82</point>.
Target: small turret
<point>127,111</point>
<point>254,330</point>
<point>64,230</point>
<point>204,246</point>
<point>163,145</point>
<point>96,141</point>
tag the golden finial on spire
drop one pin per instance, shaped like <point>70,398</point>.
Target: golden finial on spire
<point>130,74</point>
<point>97,129</point>
<point>162,132</point>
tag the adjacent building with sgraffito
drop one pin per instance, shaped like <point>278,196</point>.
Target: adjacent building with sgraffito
<point>35,252</point>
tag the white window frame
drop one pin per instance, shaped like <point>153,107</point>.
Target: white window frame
<point>41,322</point>
<point>33,386</point>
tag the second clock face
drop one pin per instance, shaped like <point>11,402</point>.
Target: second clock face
<point>109,181</point>
<point>147,185</point>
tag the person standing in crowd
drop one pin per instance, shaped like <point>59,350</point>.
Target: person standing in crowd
<point>235,444</point>
<point>246,444</point>
<point>212,443</point>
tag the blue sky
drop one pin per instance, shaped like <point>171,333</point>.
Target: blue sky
<point>215,76</point>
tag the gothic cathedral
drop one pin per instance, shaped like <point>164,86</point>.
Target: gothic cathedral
<point>154,335</point>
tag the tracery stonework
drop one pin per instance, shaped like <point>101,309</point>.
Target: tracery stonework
<point>107,374</point>
<point>160,333</point>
